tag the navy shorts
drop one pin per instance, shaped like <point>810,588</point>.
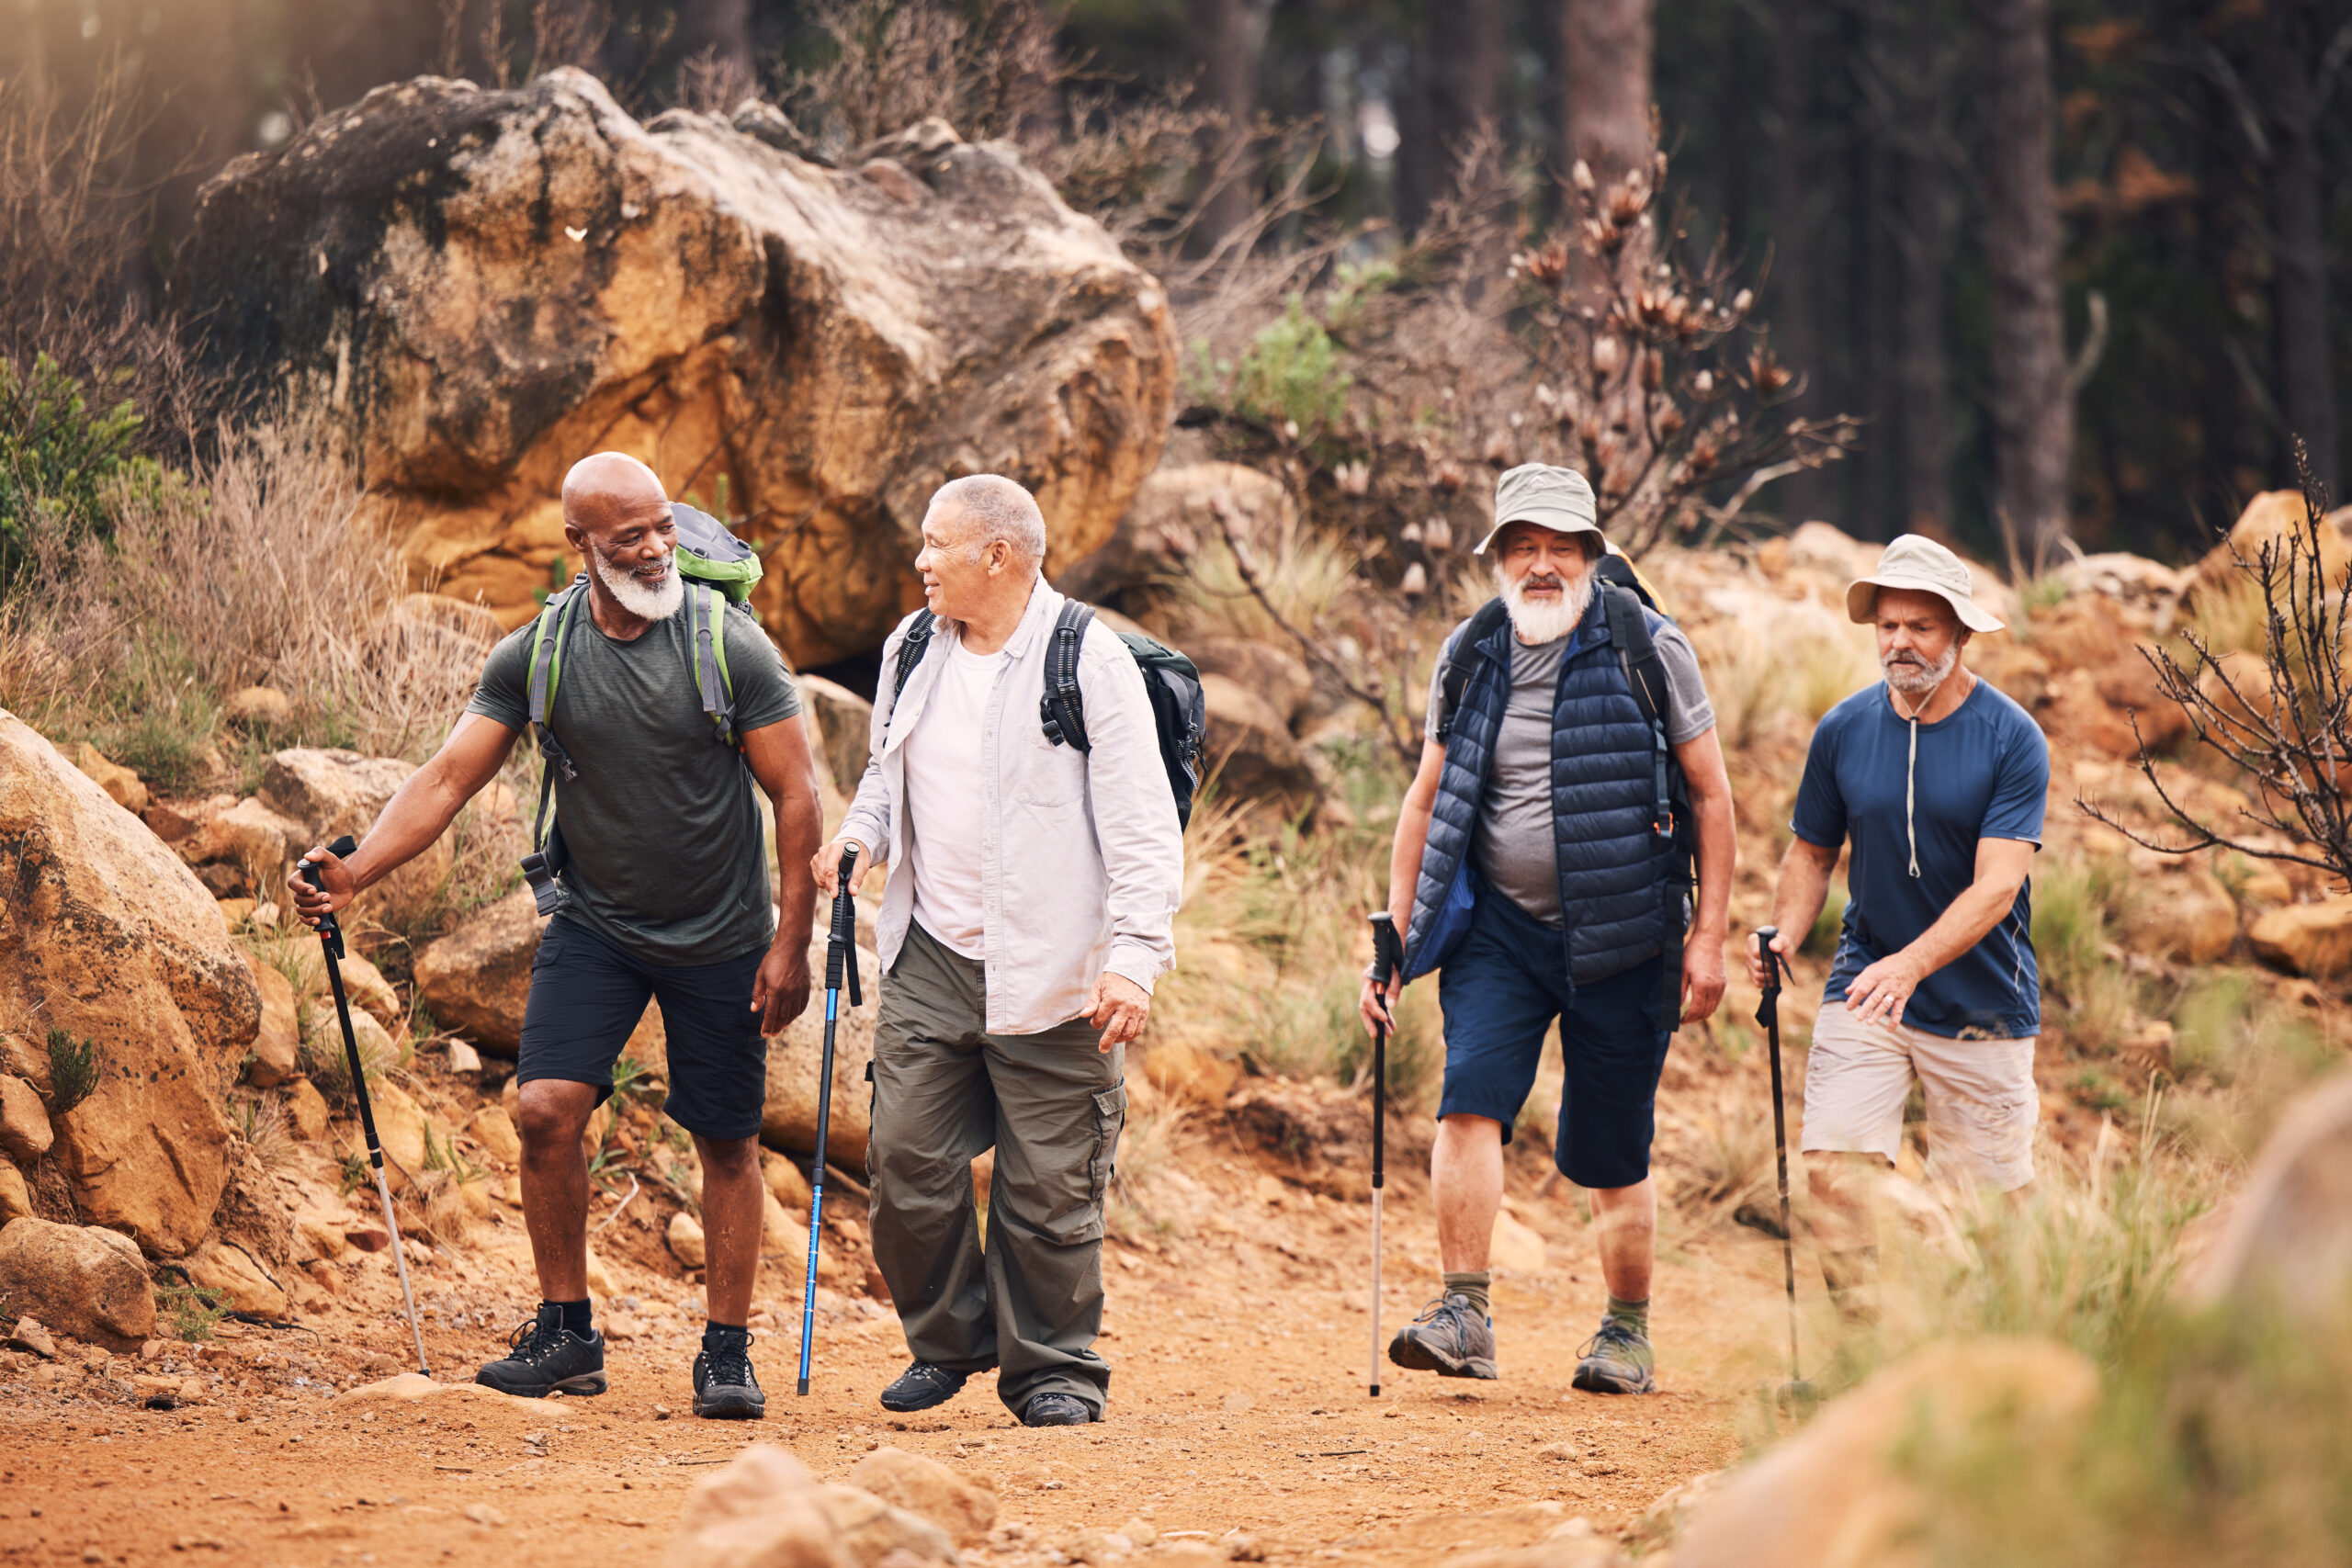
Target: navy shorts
<point>587,993</point>
<point>1500,990</point>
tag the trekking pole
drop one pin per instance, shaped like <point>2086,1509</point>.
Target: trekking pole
<point>840,948</point>
<point>330,942</point>
<point>1767,1013</point>
<point>1385,960</point>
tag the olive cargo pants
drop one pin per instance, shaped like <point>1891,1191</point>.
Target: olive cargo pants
<point>1052,1106</point>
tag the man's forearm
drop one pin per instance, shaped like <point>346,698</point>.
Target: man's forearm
<point>800,828</point>
<point>1718,857</point>
<point>1405,862</point>
<point>1973,914</point>
<point>419,812</point>
<point>1803,889</point>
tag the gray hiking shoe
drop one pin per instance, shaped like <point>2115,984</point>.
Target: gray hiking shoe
<point>1616,1361</point>
<point>1451,1337</point>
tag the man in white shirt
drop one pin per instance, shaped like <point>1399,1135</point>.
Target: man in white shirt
<point>1018,950</point>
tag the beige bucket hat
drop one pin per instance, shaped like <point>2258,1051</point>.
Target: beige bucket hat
<point>1922,566</point>
<point>1558,498</point>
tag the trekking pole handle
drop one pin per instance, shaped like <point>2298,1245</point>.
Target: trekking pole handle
<point>1765,937</point>
<point>1387,953</point>
<point>841,940</point>
<point>330,929</point>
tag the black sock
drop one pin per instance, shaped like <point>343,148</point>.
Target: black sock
<point>715,1335</point>
<point>579,1317</point>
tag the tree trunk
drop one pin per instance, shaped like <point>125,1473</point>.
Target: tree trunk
<point>1457,88</point>
<point>715,42</point>
<point>1923,218</point>
<point>1223,53</point>
<point>2032,414</point>
<point>1607,43</point>
<point>2292,44</point>
<point>1797,210</point>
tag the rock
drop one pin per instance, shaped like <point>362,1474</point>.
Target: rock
<point>377,1049</point>
<point>686,1240</point>
<point>812,326</point>
<point>1184,1070</point>
<point>874,1533</point>
<point>2272,517</point>
<point>252,837</point>
<point>1840,1494</point>
<point>2184,914</point>
<point>264,708</point>
<point>25,1134</point>
<point>959,1503</point>
<point>1274,673</point>
<point>783,1237</point>
<point>29,1335</point>
<point>478,978</point>
<point>789,1120</point>
<point>1250,752</point>
<point>122,785</point>
<point>363,984</point>
<point>402,1127</point>
<point>16,1197</point>
<point>242,1284</point>
<point>2287,1241</point>
<point>784,1182</point>
<point>761,1510</point>
<point>306,1111</point>
<point>1172,519</point>
<point>277,1048</point>
<point>121,945</point>
<point>2124,579</point>
<point>463,1058</point>
<point>495,1131</point>
<point>1516,1247</point>
<point>331,793</point>
<point>2305,939</point>
<point>600,1279</point>
<point>173,820</point>
<point>843,729</point>
<point>83,1280</point>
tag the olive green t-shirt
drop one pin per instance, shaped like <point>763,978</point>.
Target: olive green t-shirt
<point>662,826</point>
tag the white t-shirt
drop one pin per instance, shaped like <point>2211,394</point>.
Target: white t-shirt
<point>944,815</point>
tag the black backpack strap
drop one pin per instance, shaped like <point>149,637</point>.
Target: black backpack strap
<point>912,647</point>
<point>1062,710</point>
<point>1455,677</point>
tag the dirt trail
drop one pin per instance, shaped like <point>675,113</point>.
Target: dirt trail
<point>1237,1403</point>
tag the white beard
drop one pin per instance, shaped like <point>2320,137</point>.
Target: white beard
<point>1537,622</point>
<point>645,604</point>
<point>1916,680</point>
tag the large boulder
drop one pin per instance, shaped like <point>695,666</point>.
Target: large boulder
<point>796,1058</point>
<point>330,793</point>
<point>2306,939</point>
<point>115,942</point>
<point>477,979</point>
<point>1252,751</point>
<point>1841,1494</point>
<point>2274,518</point>
<point>1174,515</point>
<point>2287,1243</point>
<point>1277,675</point>
<point>482,286</point>
<point>25,1131</point>
<point>84,1281</point>
<point>2183,914</point>
<point>842,729</point>
<point>762,1510</point>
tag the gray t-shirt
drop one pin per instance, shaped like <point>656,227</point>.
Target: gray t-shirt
<point>663,825</point>
<point>1513,847</point>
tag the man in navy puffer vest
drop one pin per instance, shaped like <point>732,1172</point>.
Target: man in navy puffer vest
<point>1529,870</point>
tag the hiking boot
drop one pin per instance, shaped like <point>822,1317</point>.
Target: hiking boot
<point>1616,1361</point>
<point>1451,1337</point>
<point>1057,1410</point>
<point>725,1389</point>
<point>921,1386</point>
<point>543,1358</point>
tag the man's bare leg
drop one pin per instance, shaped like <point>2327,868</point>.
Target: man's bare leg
<point>1466,1183</point>
<point>554,1183</point>
<point>1628,1222</point>
<point>733,1207</point>
<point>1845,1228</point>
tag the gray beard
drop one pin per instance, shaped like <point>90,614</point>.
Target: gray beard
<point>645,603</point>
<point>1916,680</point>
<point>1545,623</point>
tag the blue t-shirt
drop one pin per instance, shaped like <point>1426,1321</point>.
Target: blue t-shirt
<point>1983,773</point>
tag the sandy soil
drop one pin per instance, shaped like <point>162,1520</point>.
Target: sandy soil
<point>1239,1344</point>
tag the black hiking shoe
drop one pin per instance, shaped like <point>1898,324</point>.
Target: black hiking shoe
<point>1616,1361</point>
<point>1057,1410</point>
<point>543,1357</point>
<point>725,1389</point>
<point>921,1386</point>
<point>1451,1337</point>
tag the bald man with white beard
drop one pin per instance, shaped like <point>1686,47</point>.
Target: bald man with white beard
<point>667,897</point>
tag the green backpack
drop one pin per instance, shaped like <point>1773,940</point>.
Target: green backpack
<point>719,570</point>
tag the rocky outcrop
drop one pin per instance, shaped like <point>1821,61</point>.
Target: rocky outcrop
<point>1174,515</point>
<point>84,1281</point>
<point>485,286</point>
<point>842,729</point>
<point>278,1044</point>
<point>120,945</point>
<point>2182,913</point>
<point>477,979</point>
<point>2305,939</point>
<point>1250,750</point>
<point>331,793</point>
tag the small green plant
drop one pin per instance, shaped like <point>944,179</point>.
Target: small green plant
<point>72,1071</point>
<point>633,1081</point>
<point>60,457</point>
<point>1289,375</point>
<point>195,1311</point>
<point>354,1173</point>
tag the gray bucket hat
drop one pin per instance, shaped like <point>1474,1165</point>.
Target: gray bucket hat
<point>1558,498</point>
<point>1922,566</point>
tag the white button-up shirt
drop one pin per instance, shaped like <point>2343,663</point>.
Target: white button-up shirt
<point>1083,859</point>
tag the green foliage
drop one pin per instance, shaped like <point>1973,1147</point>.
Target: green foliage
<point>60,457</point>
<point>1289,374</point>
<point>72,1071</point>
<point>195,1311</point>
<point>353,1174</point>
<point>632,1081</point>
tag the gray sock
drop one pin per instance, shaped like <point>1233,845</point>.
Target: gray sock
<point>1473,1286</point>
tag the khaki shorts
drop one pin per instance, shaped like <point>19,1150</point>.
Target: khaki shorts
<point>1982,1102</point>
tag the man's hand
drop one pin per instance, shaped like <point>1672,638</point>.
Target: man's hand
<point>827,864</point>
<point>1880,993</point>
<point>1378,1009</point>
<point>1702,976</point>
<point>339,886</point>
<point>1118,1009</point>
<point>781,992</point>
<point>1782,943</point>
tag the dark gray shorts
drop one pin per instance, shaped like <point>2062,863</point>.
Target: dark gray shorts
<point>588,993</point>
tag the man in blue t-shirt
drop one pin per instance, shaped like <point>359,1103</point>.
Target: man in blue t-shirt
<point>1936,780</point>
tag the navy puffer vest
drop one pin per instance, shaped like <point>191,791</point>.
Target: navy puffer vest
<point>1613,867</point>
